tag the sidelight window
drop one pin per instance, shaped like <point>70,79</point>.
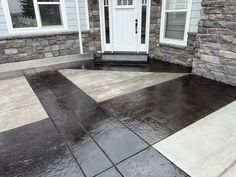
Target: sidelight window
<point>107,24</point>
<point>143,22</point>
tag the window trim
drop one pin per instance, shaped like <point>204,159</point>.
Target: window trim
<point>177,42</point>
<point>39,28</point>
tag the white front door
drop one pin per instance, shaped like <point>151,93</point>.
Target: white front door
<point>125,25</point>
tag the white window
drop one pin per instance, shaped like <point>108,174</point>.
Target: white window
<point>175,19</point>
<point>35,15</point>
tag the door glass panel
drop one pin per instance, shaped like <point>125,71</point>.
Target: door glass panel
<point>22,13</point>
<point>124,2</point>
<point>175,25</point>
<point>143,26</point>
<point>48,1</point>
<point>176,4</point>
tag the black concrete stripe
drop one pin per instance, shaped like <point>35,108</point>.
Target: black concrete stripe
<point>94,121</point>
<point>89,156</point>
<point>36,150</point>
<point>156,112</point>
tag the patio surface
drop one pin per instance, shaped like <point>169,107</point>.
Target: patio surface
<point>81,120</point>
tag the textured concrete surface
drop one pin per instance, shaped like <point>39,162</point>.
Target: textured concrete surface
<point>19,105</point>
<point>205,148</point>
<point>84,138</point>
<point>104,85</point>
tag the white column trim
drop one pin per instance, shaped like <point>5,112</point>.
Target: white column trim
<point>79,27</point>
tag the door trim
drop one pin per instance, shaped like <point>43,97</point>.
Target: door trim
<point>102,27</point>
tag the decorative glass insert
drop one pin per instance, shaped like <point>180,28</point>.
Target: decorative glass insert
<point>124,2</point>
<point>50,14</point>
<point>144,19</point>
<point>48,0</point>
<point>107,24</point>
<point>175,25</point>
<point>22,13</point>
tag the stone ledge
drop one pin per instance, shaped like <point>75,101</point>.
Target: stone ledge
<point>18,66</point>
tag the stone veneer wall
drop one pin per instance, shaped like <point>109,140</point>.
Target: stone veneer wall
<point>92,38</point>
<point>173,54</point>
<point>216,57</point>
<point>14,49</point>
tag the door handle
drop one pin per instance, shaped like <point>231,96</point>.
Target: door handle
<point>136,26</point>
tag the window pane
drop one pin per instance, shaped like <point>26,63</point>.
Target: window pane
<point>143,27</point>
<point>175,25</point>
<point>124,2</point>
<point>22,13</point>
<point>176,4</point>
<point>107,29</point>
<point>130,2</point>
<point>50,15</point>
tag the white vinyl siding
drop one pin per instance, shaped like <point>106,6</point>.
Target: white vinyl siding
<point>195,15</point>
<point>72,18</point>
<point>3,25</point>
<point>84,16</point>
<point>71,15</point>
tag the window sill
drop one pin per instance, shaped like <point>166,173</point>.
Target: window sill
<point>173,43</point>
<point>37,31</point>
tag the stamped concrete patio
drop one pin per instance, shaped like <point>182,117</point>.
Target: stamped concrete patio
<point>81,120</point>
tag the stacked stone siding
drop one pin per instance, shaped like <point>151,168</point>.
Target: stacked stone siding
<point>14,49</point>
<point>173,54</point>
<point>92,38</point>
<point>216,56</point>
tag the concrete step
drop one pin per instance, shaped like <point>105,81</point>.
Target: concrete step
<point>123,58</point>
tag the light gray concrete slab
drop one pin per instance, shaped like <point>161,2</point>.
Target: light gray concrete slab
<point>15,93</point>
<point>205,148</point>
<point>104,85</point>
<point>230,172</point>
<point>21,116</point>
<point>19,105</point>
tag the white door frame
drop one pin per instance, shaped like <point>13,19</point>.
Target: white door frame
<point>110,47</point>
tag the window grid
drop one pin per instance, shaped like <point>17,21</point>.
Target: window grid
<point>124,2</point>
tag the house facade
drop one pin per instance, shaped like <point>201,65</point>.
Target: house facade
<point>193,33</point>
